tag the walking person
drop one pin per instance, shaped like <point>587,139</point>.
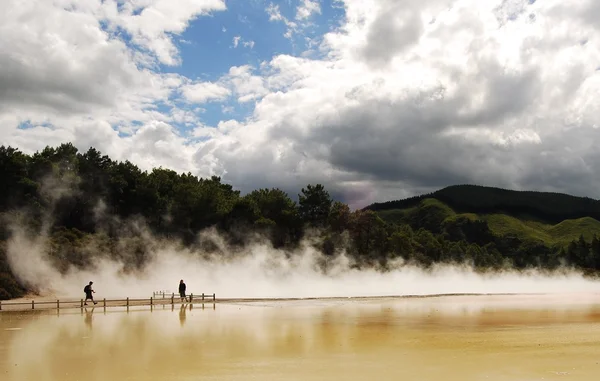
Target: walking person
<point>88,293</point>
<point>182,290</point>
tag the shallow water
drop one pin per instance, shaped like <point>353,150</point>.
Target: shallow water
<point>517,338</point>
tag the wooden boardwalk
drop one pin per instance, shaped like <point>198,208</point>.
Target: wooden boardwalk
<point>158,299</point>
<point>163,298</point>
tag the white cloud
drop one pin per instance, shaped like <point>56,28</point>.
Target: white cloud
<point>245,84</point>
<point>71,80</point>
<point>151,22</point>
<point>274,13</point>
<point>204,91</point>
<point>245,44</point>
<point>159,144</point>
<point>461,96</point>
<point>404,99</point>
<point>227,109</point>
<point>307,8</point>
<point>58,64</point>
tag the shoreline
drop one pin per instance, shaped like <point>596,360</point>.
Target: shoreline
<point>49,303</point>
<point>52,298</point>
<point>49,298</point>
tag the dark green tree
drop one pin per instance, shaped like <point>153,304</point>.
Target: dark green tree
<point>339,217</point>
<point>314,205</point>
<point>279,214</point>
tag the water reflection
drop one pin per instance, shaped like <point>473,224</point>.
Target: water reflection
<point>88,317</point>
<point>182,314</point>
<point>420,339</point>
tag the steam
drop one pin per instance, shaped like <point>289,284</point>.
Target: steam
<point>260,271</point>
<point>257,271</point>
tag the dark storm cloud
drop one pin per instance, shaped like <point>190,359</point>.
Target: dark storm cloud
<point>506,94</point>
<point>568,161</point>
<point>406,141</point>
<point>55,86</point>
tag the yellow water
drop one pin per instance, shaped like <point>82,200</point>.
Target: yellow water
<point>516,338</point>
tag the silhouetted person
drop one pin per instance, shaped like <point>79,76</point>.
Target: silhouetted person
<point>88,293</point>
<point>182,290</point>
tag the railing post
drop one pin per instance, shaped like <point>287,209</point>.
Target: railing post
<point>127,301</point>
<point>150,301</point>
<point>213,296</point>
<point>191,297</point>
<point>104,302</point>
<point>57,304</point>
<point>172,298</point>
<point>163,294</point>
<point>202,296</point>
<point>32,305</point>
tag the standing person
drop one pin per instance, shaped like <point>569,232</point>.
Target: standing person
<point>182,290</point>
<point>88,293</point>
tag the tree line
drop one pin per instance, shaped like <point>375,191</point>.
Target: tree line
<point>88,205</point>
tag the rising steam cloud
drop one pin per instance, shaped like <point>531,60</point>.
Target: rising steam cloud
<point>259,271</point>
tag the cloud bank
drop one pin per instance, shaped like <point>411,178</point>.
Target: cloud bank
<point>396,100</point>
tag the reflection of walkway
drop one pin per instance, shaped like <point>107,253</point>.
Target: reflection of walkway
<point>88,317</point>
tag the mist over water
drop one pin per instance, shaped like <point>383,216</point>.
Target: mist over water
<point>259,271</point>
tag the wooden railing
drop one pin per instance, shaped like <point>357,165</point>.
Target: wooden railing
<point>172,295</point>
<point>127,302</point>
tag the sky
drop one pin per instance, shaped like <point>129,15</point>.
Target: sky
<point>375,99</point>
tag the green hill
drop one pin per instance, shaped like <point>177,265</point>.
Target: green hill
<point>561,233</point>
<point>551,208</point>
<point>552,218</point>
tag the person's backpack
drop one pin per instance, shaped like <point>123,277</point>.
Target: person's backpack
<point>86,288</point>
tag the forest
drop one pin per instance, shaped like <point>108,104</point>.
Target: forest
<point>89,205</point>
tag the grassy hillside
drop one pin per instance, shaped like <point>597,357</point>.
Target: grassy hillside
<point>561,233</point>
<point>549,208</point>
<point>427,205</point>
<point>433,214</point>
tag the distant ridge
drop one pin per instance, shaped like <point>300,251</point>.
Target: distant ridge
<point>550,207</point>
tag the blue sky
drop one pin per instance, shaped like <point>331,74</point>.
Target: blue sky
<point>207,48</point>
<point>207,51</point>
